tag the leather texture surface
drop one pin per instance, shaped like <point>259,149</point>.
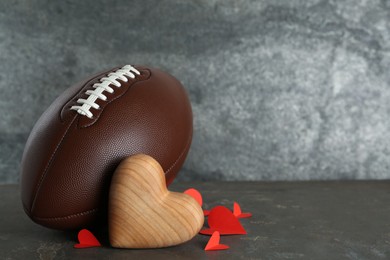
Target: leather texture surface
<point>69,159</point>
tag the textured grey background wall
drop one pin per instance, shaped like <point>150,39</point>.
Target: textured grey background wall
<point>281,90</point>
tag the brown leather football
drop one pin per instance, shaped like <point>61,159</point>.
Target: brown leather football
<point>80,139</point>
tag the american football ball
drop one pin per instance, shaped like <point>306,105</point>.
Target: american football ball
<point>77,143</point>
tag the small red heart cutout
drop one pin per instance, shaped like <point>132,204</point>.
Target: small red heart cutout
<point>195,194</point>
<point>237,211</point>
<point>86,239</point>
<point>198,197</point>
<point>222,219</point>
<point>214,244</point>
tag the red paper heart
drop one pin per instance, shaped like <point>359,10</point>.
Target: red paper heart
<point>206,212</point>
<point>86,239</point>
<point>222,219</point>
<point>237,211</point>
<point>214,244</point>
<point>195,194</point>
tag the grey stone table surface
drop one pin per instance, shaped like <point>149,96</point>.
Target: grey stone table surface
<point>291,220</point>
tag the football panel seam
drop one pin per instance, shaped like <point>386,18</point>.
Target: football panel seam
<point>84,213</point>
<point>186,148</point>
<point>41,180</point>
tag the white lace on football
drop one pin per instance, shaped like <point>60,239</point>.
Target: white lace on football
<point>104,85</point>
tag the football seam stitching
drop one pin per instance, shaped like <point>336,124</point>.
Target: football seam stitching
<point>95,209</point>
<point>103,85</point>
<point>69,216</point>
<point>82,90</point>
<point>181,154</point>
<point>79,125</point>
<point>39,184</point>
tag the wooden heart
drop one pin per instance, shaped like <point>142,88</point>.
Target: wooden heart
<point>143,213</point>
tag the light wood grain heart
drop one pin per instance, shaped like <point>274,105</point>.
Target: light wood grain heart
<point>143,213</point>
